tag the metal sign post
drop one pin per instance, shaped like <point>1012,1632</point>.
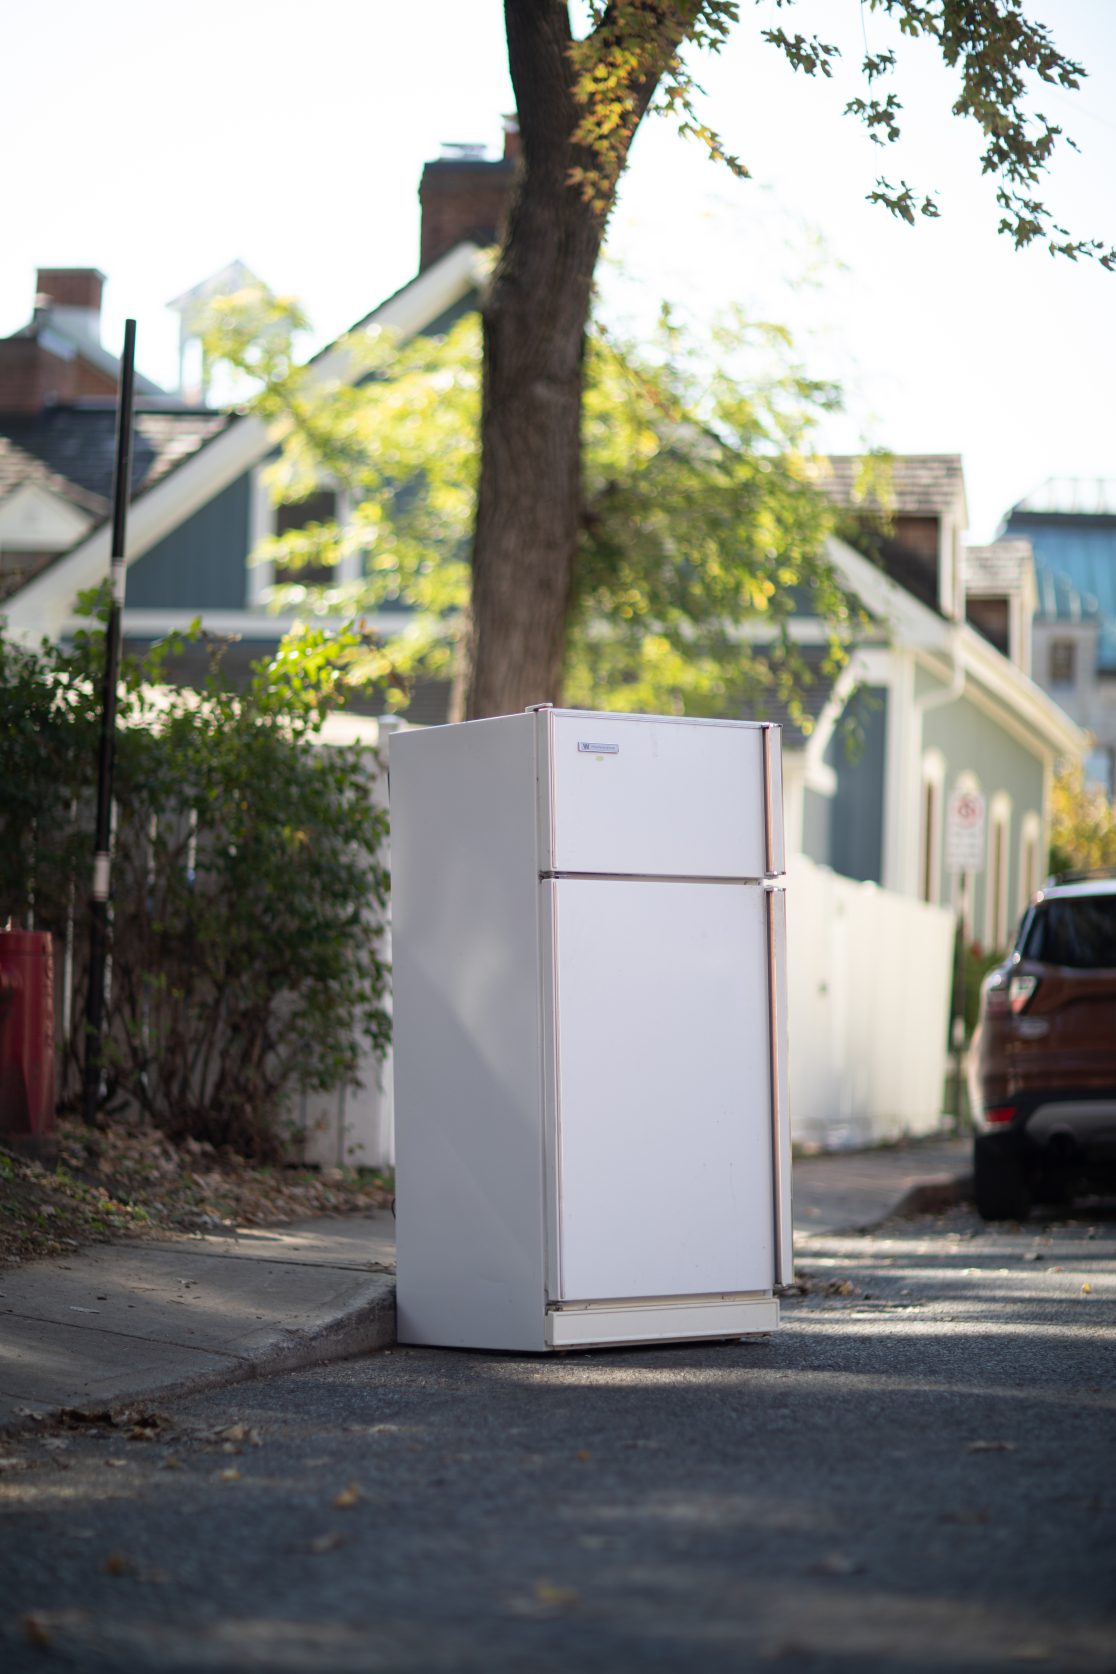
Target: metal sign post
<point>102,859</point>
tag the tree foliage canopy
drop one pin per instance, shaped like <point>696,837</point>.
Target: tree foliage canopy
<point>1082,825</point>
<point>703,525</point>
<point>1001,56</point>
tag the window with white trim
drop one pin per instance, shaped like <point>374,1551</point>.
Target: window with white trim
<point>930,827</point>
<point>996,909</point>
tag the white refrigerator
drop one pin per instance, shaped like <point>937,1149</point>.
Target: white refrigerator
<point>588,929</point>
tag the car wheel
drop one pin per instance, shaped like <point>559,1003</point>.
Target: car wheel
<point>999,1178</point>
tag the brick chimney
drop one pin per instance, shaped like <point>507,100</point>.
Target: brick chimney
<point>464,196</point>
<point>71,287</point>
<point>44,364</point>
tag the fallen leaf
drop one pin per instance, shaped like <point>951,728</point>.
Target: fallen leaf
<point>229,1475</point>
<point>348,1497</point>
<point>171,1463</point>
<point>990,1447</point>
<point>145,1426</point>
<point>234,1437</point>
<point>117,1564</point>
<point>37,1630</point>
<point>1086,1288</point>
<point>554,1597</point>
<point>584,1455</point>
<point>326,1543</point>
<point>75,1419</point>
<point>838,1563</point>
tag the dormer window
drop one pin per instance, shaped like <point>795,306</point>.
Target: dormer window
<point>1063,662</point>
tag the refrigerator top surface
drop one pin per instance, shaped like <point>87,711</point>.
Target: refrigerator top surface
<point>621,716</point>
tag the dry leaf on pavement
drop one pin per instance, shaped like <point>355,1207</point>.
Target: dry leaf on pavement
<point>554,1597</point>
<point>36,1629</point>
<point>348,1497</point>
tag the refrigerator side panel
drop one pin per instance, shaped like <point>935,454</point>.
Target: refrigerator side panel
<point>664,1090</point>
<point>467,1053</point>
<point>639,796</point>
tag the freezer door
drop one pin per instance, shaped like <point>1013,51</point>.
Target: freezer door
<point>654,798</point>
<point>664,1183</point>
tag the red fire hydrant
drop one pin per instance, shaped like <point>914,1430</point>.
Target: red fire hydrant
<point>26,1034</point>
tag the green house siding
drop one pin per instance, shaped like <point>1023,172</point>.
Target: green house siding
<point>970,740</point>
<point>856,814</point>
<point>201,564</point>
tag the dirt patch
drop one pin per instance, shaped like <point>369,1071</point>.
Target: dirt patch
<point>124,1179</point>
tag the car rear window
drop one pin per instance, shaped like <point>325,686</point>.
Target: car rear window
<point>1079,933</point>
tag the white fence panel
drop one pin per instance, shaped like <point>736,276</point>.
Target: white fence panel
<point>868,983</point>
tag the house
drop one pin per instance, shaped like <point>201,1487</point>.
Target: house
<point>936,698</point>
<point>936,695</point>
<point>1069,524</point>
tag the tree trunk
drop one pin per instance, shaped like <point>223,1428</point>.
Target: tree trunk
<point>529,494</point>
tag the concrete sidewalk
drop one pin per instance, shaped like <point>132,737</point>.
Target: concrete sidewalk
<point>120,1323</point>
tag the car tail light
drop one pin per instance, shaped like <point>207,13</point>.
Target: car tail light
<point>997,999</point>
<point>999,1115</point>
<point>1021,990</point>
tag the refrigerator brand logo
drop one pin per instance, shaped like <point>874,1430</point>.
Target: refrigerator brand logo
<point>590,749</point>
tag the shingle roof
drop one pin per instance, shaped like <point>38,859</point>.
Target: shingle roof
<point>18,467</point>
<point>813,697</point>
<point>909,483</point>
<point>996,568</point>
<point>78,443</point>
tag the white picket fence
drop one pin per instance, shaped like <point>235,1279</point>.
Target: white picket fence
<point>868,983</point>
<point>868,979</point>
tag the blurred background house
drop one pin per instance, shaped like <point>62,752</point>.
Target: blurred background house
<point>936,698</point>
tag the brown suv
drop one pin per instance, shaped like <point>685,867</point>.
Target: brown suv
<point>1042,1074</point>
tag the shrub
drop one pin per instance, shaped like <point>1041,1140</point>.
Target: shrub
<point>249,890</point>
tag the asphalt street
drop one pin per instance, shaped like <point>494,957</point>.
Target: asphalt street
<point>917,1473</point>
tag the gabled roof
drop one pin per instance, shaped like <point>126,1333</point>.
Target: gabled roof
<point>18,467</point>
<point>76,444</point>
<point>907,483</point>
<point>177,486</point>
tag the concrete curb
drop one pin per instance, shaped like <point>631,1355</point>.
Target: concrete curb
<point>363,1326</point>
<point>931,1197</point>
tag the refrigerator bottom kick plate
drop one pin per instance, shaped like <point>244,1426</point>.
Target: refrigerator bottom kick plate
<point>659,1321</point>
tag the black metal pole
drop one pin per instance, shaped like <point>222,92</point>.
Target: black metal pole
<point>102,857</point>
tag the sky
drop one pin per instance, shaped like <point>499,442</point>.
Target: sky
<point>158,144</point>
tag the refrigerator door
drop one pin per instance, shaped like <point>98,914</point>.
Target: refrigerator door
<point>646,797</point>
<point>663,1154</point>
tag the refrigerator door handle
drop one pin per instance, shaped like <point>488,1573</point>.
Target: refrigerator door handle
<point>775,902</point>
<point>774,857</point>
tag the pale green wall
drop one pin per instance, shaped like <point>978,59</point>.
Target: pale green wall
<point>972,741</point>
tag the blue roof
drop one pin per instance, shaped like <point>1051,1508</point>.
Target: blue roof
<point>1075,570</point>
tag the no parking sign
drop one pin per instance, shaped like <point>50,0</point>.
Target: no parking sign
<point>965,832</point>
